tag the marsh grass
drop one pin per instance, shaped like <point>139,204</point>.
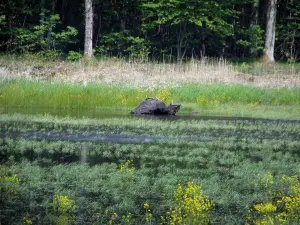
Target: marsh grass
<point>227,168</point>
<point>218,99</point>
<point>135,125</point>
<point>208,86</point>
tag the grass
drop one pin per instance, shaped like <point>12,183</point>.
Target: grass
<point>229,168</point>
<point>208,86</point>
<point>257,69</point>
<point>217,99</point>
<point>132,125</point>
<point>149,75</point>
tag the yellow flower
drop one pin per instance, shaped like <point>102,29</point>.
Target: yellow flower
<point>265,207</point>
<point>10,183</point>
<point>164,95</point>
<point>146,205</point>
<point>192,207</point>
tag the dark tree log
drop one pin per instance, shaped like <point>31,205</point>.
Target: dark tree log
<point>155,106</point>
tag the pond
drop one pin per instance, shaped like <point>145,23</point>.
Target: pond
<point>112,136</point>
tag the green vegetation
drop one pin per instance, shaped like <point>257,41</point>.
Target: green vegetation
<point>254,68</point>
<point>170,171</point>
<point>167,182</point>
<point>279,207</point>
<point>217,99</point>
<point>150,29</point>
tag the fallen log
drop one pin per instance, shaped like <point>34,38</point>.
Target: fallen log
<point>153,105</point>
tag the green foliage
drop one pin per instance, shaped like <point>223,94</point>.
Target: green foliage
<point>288,31</point>
<point>164,95</point>
<point>280,207</point>
<point>124,44</point>
<point>60,95</point>
<point>2,21</point>
<point>156,28</point>
<point>27,221</point>
<point>61,210</point>
<point>136,183</point>
<point>9,185</point>
<point>191,206</point>
<point>253,39</point>
<point>188,20</point>
<point>43,37</point>
<point>49,54</point>
<point>74,55</point>
<point>46,97</point>
<point>139,48</point>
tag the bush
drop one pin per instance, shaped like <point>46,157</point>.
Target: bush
<point>43,37</point>
<point>280,207</point>
<point>74,55</point>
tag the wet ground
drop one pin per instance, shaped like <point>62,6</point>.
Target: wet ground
<point>95,134</point>
<point>95,137</point>
<point>119,113</point>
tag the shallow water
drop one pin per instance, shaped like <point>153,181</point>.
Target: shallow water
<point>95,137</point>
<point>119,113</point>
<point>191,152</point>
<point>139,136</point>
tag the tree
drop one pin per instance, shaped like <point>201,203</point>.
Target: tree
<point>88,40</point>
<point>288,30</point>
<point>159,29</point>
<point>188,24</point>
<point>268,56</point>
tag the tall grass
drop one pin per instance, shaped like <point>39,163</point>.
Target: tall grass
<point>211,86</point>
<point>149,75</point>
<point>239,94</point>
<point>25,93</point>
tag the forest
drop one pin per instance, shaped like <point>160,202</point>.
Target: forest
<point>71,71</point>
<point>159,30</point>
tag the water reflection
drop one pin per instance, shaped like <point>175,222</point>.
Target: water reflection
<point>125,113</point>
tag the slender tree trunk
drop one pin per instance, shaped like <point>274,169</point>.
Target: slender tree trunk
<point>123,24</point>
<point>42,18</point>
<point>99,31</point>
<point>88,41</point>
<point>254,21</point>
<point>49,32</point>
<point>181,42</point>
<point>254,16</point>
<point>268,56</point>
<point>42,5</point>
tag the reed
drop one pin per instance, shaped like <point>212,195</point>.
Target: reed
<point>218,99</point>
<point>149,75</point>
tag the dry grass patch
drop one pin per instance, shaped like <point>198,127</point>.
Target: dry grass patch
<point>149,75</point>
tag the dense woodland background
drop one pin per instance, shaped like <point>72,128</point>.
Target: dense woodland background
<point>150,29</point>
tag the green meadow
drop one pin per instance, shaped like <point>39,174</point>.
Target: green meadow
<point>201,99</point>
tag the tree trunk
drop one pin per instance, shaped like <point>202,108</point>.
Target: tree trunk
<point>254,21</point>
<point>268,56</point>
<point>88,40</point>
<point>49,32</point>
<point>42,18</point>
<point>254,16</point>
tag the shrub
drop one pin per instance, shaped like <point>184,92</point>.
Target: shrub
<point>191,206</point>
<point>43,37</point>
<point>280,207</point>
<point>74,55</point>
<point>61,210</point>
